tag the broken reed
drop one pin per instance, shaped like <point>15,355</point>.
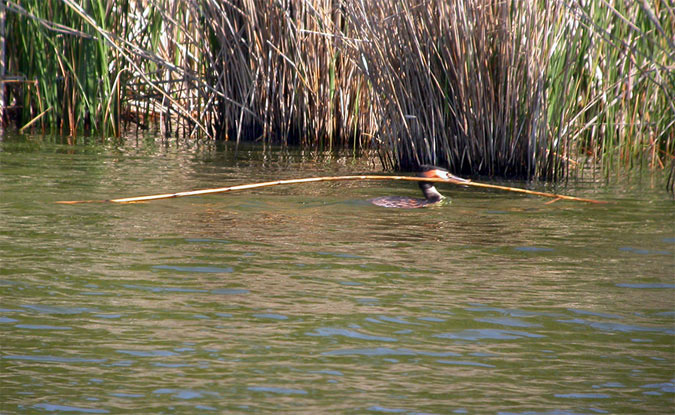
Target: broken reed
<point>526,88</point>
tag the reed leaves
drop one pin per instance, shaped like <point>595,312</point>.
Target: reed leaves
<point>612,86</point>
<point>531,89</point>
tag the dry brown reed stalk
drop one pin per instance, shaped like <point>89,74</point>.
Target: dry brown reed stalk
<point>228,189</point>
<point>164,46</point>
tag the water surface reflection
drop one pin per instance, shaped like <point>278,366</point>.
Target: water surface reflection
<point>307,300</point>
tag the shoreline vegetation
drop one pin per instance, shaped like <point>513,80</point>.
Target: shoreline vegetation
<point>534,89</point>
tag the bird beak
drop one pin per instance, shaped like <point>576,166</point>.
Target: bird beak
<point>455,178</point>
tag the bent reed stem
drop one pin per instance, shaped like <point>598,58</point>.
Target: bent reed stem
<point>328,179</point>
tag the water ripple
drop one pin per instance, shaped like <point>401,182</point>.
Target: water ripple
<point>281,391</point>
<point>156,289</point>
<point>482,334</point>
<point>398,320</point>
<point>66,408</point>
<point>204,269</point>
<point>532,249</point>
<point>386,351</point>
<point>46,358</point>
<point>41,327</point>
<point>271,316</point>
<point>645,285</point>
<point>667,387</point>
<point>594,313</point>
<point>464,363</point>
<point>509,312</point>
<point>230,291</point>
<point>45,309</point>
<point>386,410</point>
<point>582,395</point>
<point>147,353</point>
<point>179,393</point>
<point>642,251</point>
<point>627,328</point>
<point>328,331</point>
<point>506,321</point>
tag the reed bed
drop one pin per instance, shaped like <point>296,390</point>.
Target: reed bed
<point>529,89</point>
<point>285,73</point>
<point>461,84</point>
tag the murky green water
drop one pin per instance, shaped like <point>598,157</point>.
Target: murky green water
<point>309,300</point>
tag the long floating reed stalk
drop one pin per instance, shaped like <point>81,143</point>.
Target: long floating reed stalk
<point>326,179</point>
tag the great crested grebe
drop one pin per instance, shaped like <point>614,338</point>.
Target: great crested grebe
<point>431,195</point>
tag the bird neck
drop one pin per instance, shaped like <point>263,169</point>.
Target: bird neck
<point>430,192</point>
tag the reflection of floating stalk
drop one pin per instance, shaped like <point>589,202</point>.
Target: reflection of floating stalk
<point>555,197</point>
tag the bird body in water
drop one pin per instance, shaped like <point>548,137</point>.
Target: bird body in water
<point>431,195</point>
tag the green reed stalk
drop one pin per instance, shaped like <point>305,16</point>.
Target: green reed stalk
<point>615,93</point>
<point>49,44</point>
